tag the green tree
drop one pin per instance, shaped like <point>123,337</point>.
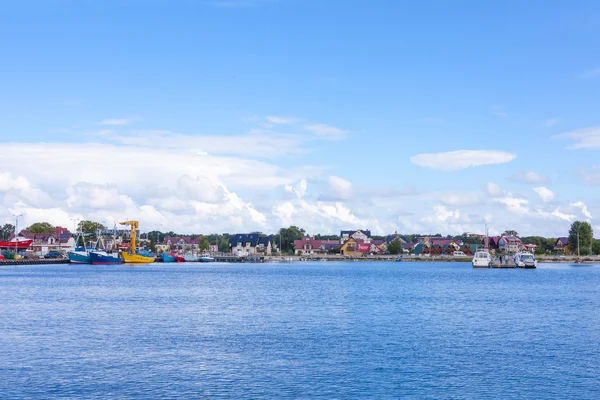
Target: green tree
<point>584,231</point>
<point>511,232</point>
<point>89,226</point>
<point>223,245</point>
<point>395,247</point>
<point>288,235</point>
<point>6,231</point>
<point>151,245</point>
<point>596,246</point>
<point>204,245</point>
<point>41,227</point>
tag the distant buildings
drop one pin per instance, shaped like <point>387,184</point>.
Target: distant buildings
<point>60,239</point>
<point>250,244</point>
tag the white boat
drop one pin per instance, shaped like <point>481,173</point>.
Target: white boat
<point>482,259</point>
<point>189,257</point>
<point>525,260</point>
<point>206,258</point>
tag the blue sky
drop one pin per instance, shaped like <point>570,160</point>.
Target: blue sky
<point>327,114</point>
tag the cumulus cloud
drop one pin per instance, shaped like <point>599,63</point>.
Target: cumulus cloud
<point>530,177</point>
<point>461,159</point>
<point>493,189</point>
<point>299,189</point>
<point>545,194</point>
<point>586,138</point>
<point>337,189</point>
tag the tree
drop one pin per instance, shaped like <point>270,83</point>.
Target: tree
<point>90,226</point>
<point>596,246</point>
<point>223,245</point>
<point>585,233</point>
<point>6,231</point>
<point>204,245</point>
<point>511,232</point>
<point>41,227</point>
<point>288,235</point>
<point>395,247</point>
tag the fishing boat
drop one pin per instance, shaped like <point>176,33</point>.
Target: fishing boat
<point>133,256</point>
<point>81,254</point>
<point>20,243</point>
<point>105,256</point>
<point>169,258</point>
<point>206,258</point>
<point>189,257</point>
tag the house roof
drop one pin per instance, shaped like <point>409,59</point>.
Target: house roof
<point>244,238</point>
<point>443,242</point>
<point>562,240</point>
<point>330,246</point>
<point>367,233</point>
<point>377,242</point>
<point>300,243</point>
<point>389,238</point>
<point>265,240</point>
<point>419,248</point>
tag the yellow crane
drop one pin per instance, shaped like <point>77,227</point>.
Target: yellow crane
<point>132,256</point>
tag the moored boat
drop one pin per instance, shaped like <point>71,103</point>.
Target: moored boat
<point>206,258</point>
<point>169,258</point>
<point>80,255</point>
<point>134,257</point>
<point>482,259</point>
<point>20,243</point>
<point>525,260</point>
<point>189,257</point>
<point>102,257</point>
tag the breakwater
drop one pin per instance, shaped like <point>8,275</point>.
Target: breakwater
<point>29,261</point>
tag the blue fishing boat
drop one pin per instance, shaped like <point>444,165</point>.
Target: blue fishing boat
<point>169,258</point>
<point>206,258</point>
<point>80,255</point>
<point>102,257</point>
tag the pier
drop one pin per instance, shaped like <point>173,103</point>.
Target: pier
<point>32,261</point>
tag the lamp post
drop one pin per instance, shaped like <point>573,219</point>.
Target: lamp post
<point>16,232</point>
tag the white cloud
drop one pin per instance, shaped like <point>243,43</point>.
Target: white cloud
<point>514,205</point>
<point>551,122</point>
<point>584,210</point>
<point>530,177</point>
<point>461,199</point>
<point>590,74</point>
<point>281,120</point>
<point>119,121</point>
<point>461,159</point>
<point>493,189</point>
<point>299,189</point>
<point>586,138</point>
<point>545,194</point>
<point>338,189</point>
<point>327,131</point>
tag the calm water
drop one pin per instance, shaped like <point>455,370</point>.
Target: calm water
<point>315,330</point>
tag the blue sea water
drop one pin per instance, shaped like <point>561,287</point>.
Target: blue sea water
<point>299,331</point>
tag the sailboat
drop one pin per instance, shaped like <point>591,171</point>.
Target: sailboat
<point>134,256</point>
<point>482,257</point>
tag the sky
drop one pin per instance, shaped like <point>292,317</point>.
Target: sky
<point>252,115</point>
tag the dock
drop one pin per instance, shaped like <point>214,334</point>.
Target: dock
<point>33,261</point>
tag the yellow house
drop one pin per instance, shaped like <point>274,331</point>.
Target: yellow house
<point>349,247</point>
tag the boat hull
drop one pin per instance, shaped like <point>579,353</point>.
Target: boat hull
<point>169,259</point>
<point>77,257</point>
<point>136,259</point>
<point>206,259</point>
<point>103,258</point>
